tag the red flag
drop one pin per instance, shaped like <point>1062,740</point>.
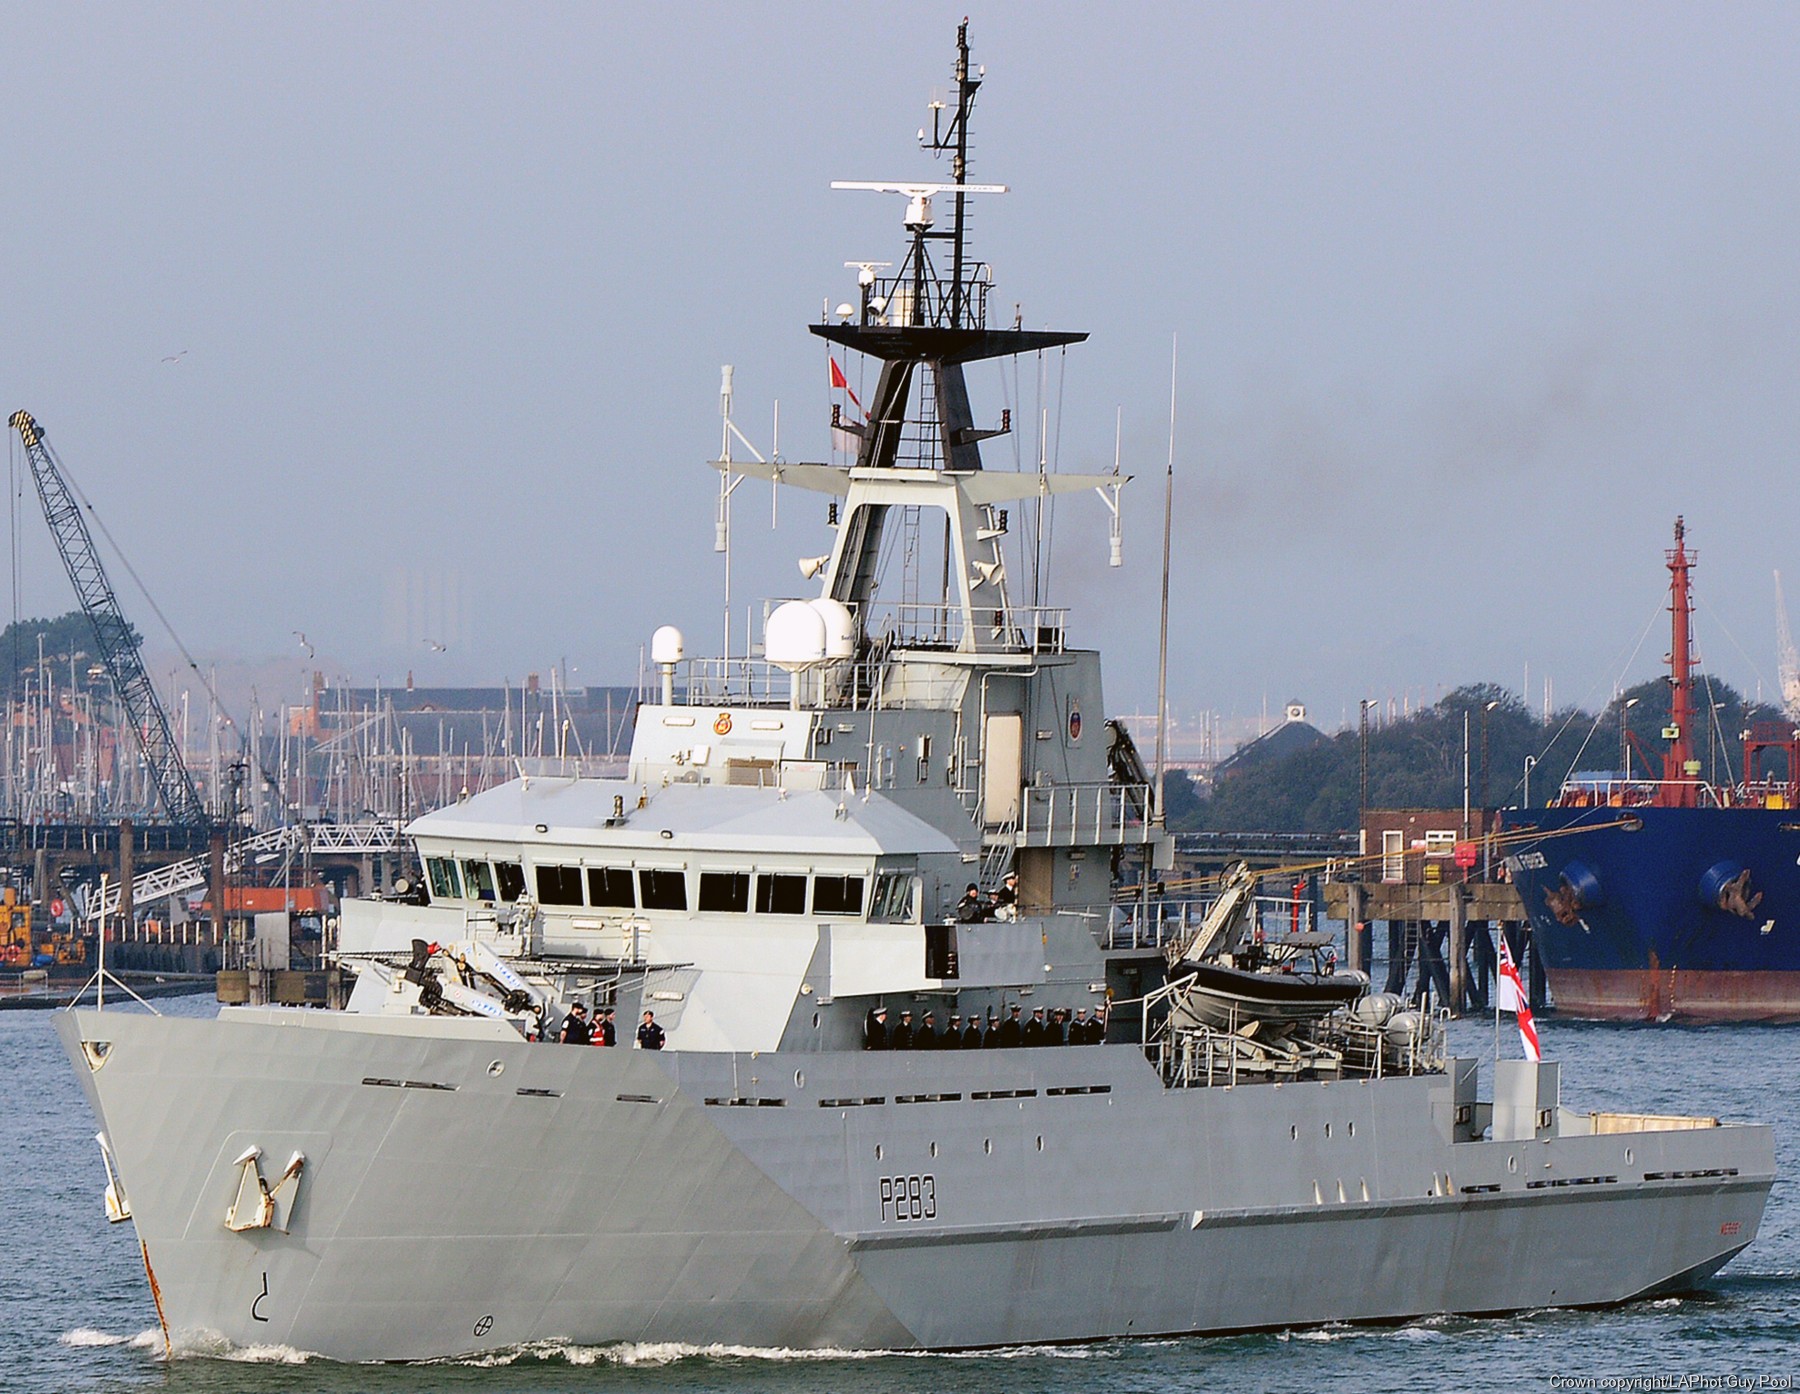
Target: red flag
<point>839,380</point>
<point>1512,998</point>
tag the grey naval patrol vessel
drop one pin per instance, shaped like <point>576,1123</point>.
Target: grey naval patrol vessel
<point>415,1177</point>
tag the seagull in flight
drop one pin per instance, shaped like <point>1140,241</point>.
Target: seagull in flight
<point>297,634</point>
<point>176,357</point>
<point>433,645</point>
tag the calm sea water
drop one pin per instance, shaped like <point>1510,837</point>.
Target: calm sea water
<point>75,1313</point>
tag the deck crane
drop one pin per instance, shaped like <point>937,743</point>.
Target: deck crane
<point>112,634</point>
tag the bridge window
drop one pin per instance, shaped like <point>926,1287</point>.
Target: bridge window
<point>662,889</point>
<point>777,894</point>
<point>511,877</point>
<point>445,883</point>
<point>726,892</point>
<point>559,885</point>
<point>893,898</point>
<point>479,878</point>
<point>611,886</point>
<point>837,895</point>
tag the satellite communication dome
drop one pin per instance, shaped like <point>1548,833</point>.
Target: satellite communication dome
<point>840,628</point>
<point>794,636</point>
<point>667,645</point>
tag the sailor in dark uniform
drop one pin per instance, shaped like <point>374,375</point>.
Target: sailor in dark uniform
<point>650,1035</point>
<point>575,1030</point>
<point>1006,899</point>
<point>926,1038</point>
<point>1078,1028</point>
<point>952,1037</point>
<point>901,1037</point>
<point>973,908</point>
<point>971,1036</point>
<point>1054,1034</point>
<point>1009,1033</point>
<point>875,1029</point>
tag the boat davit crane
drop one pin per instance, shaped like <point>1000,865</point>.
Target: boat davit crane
<point>113,635</point>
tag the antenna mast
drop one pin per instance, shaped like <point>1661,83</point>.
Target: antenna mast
<point>956,141</point>
<point>1162,654</point>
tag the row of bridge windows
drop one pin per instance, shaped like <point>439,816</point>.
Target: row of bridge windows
<point>660,888</point>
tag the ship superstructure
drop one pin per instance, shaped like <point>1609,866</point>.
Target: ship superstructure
<point>781,881</point>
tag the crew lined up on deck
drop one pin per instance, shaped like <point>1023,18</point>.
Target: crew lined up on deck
<point>1044,1027</point>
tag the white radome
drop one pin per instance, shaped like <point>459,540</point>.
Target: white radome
<point>794,636</point>
<point>667,645</point>
<point>840,628</point>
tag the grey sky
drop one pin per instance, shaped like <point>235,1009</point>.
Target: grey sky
<point>1472,301</point>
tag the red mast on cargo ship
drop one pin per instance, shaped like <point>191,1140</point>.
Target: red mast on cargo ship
<point>1680,787</point>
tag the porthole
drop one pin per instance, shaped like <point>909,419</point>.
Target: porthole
<point>1352,1127</point>
<point>496,1068</point>
<point>815,1021</point>
<point>799,1079</point>
<point>1627,1156</point>
<point>1328,1130</point>
<point>878,1151</point>
<point>934,1149</point>
<point>1512,1164</point>
<point>1040,1142</point>
<point>987,1145</point>
<point>1294,1131</point>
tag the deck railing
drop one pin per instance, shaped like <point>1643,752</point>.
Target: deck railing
<point>1159,922</point>
<point>1095,814</point>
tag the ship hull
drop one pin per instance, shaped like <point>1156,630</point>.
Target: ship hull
<point>849,1200</point>
<point>1675,994</point>
<point>1628,922</point>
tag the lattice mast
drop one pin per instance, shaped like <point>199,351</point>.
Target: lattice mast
<point>113,637</point>
<point>918,321</point>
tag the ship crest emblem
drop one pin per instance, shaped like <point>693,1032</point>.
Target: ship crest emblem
<point>722,724</point>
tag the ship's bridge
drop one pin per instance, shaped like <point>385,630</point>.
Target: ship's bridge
<point>592,851</point>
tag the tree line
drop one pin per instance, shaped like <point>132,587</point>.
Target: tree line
<point>66,640</point>
<point>1417,762</point>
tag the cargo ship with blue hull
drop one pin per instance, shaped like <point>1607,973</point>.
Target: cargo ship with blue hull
<point>1671,898</point>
